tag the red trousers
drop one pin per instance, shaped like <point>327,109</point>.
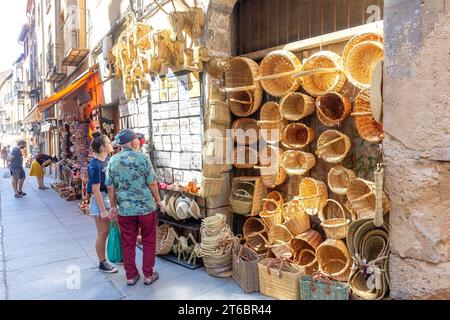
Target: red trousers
<point>129,227</point>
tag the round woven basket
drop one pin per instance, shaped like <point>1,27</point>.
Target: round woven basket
<point>277,62</point>
<point>253,225</point>
<point>245,131</point>
<point>332,108</point>
<point>165,238</point>
<point>277,197</point>
<point>270,111</point>
<point>280,241</point>
<point>361,195</point>
<point>245,92</point>
<point>241,198</point>
<point>313,195</point>
<point>336,228</point>
<point>257,242</point>
<point>360,63</point>
<point>319,84</point>
<point>295,106</point>
<point>271,122</point>
<point>307,259</point>
<point>219,265</point>
<point>333,146</point>
<point>295,218</point>
<point>272,218</point>
<point>272,181</point>
<point>296,162</point>
<point>334,259</point>
<point>309,240</point>
<point>297,136</point>
<point>357,39</point>
<point>245,157</point>
<point>368,128</point>
<point>339,179</point>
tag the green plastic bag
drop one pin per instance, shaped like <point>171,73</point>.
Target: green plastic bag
<point>114,248</point>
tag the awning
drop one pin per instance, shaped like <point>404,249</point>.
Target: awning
<point>48,102</point>
<point>33,116</point>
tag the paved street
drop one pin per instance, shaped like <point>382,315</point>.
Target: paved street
<point>44,240</point>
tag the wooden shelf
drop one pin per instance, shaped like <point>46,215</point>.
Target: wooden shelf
<point>190,224</point>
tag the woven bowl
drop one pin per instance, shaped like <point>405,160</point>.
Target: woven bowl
<point>333,146</point>
<point>366,125</point>
<point>295,106</point>
<point>332,109</point>
<point>297,162</point>
<point>297,136</point>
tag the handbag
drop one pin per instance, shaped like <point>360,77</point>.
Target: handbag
<point>114,247</point>
<point>321,287</point>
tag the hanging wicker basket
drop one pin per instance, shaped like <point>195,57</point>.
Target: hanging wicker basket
<point>360,62</point>
<point>211,187</point>
<point>339,179</point>
<point>244,157</point>
<point>295,218</point>
<point>368,128</point>
<point>272,181</point>
<point>241,198</point>
<point>276,71</point>
<point>313,195</point>
<point>245,131</point>
<point>271,122</point>
<point>295,106</point>
<point>320,84</point>
<point>270,157</point>
<point>333,108</point>
<point>296,162</point>
<point>272,218</point>
<point>336,228</point>
<point>357,39</point>
<point>165,238</point>
<point>297,136</point>
<point>333,146</point>
<point>361,195</point>
<point>334,259</point>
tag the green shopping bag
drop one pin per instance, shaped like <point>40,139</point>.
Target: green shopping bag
<point>114,248</point>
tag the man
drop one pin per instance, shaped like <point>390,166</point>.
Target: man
<point>134,197</point>
<point>5,153</point>
<point>15,160</point>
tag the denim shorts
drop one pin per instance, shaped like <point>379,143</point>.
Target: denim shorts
<point>94,210</point>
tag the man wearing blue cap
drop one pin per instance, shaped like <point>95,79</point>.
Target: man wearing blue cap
<point>134,197</point>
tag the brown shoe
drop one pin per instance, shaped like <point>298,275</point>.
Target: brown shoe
<point>132,282</point>
<point>149,280</point>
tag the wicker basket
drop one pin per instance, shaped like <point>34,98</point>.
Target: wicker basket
<point>279,279</point>
<point>295,218</point>
<point>360,63</point>
<point>274,65</point>
<point>245,93</point>
<point>219,112</point>
<point>253,225</point>
<point>245,268</point>
<point>257,242</point>
<point>295,106</point>
<point>270,156</point>
<point>334,259</point>
<point>333,108</point>
<point>220,266</point>
<point>272,181</point>
<point>339,179</point>
<point>333,146</point>
<point>272,218</point>
<point>336,228</point>
<point>308,240</point>
<point>319,84</point>
<point>297,136</point>
<point>361,195</point>
<point>247,194</point>
<point>211,187</point>
<point>296,162</point>
<point>368,128</point>
<point>307,260</point>
<point>271,206</point>
<point>165,238</point>
<point>313,195</point>
<point>357,39</point>
<point>271,122</point>
<point>245,131</point>
<point>244,157</point>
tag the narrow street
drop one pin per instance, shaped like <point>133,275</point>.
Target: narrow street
<point>44,239</point>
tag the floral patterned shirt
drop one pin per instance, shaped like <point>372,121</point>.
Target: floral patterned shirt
<point>130,172</point>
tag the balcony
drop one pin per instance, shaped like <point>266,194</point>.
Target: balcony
<point>56,71</point>
<point>75,36</point>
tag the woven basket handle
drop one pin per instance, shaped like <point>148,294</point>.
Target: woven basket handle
<point>274,202</point>
<point>238,89</point>
<point>243,193</point>
<point>339,205</point>
<point>368,194</point>
<point>378,176</point>
<point>300,198</point>
<point>330,142</point>
<point>277,75</point>
<point>263,122</point>
<point>320,276</point>
<point>361,114</point>
<point>315,71</point>
<point>271,263</point>
<point>241,101</point>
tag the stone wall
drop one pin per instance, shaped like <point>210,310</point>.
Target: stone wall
<point>417,146</point>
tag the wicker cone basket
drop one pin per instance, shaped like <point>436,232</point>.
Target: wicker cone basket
<point>277,63</point>
<point>307,260</point>
<point>361,195</point>
<point>333,108</point>
<point>244,157</point>
<point>313,195</point>
<point>296,162</point>
<point>336,228</point>
<point>333,146</point>
<point>280,241</point>
<point>368,128</point>
<point>357,39</point>
<point>319,84</point>
<point>165,239</point>
<point>295,106</point>
<point>360,63</point>
<point>297,136</point>
<point>245,268</point>
<point>334,259</point>
<point>271,122</point>
<point>272,218</point>
<point>245,92</point>
<point>339,179</point>
<point>245,131</point>
<point>295,218</point>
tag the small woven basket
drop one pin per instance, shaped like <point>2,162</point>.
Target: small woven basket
<point>211,187</point>
<point>308,240</point>
<point>339,179</point>
<point>272,218</point>
<point>366,125</point>
<point>253,225</point>
<point>244,157</point>
<point>297,136</point>
<point>165,238</point>
<point>245,131</point>
<point>361,195</point>
<point>271,206</point>
<point>272,181</point>
<point>271,122</point>
<point>334,259</point>
<point>296,162</point>
<point>336,228</point>
<point>257,242</point>
<point>307,260</point>
<point>241,198</point>
<point>333,146</point>
<point>295,218</point>
<point>295,106</point>
<point>313,195</point>
<point>333,108</point>
<point>357,39</point>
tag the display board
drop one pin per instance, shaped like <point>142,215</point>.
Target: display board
<point>177,127</point>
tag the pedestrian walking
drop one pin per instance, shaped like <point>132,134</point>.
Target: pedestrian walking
<point>134,197</point>
<point>40,162</point>
<point>99,204</point>
<point>15,160</point>
<point>5,153</point>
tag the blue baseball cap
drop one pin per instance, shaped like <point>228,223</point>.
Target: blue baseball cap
<point>125,136</point>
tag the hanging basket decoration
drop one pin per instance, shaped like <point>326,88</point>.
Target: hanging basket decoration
<point>276,71</point>
<point>295,106</point>
<point>357,39</point>
<point>274,217</point>
<point>245,131</point>
<point>297,136</point>
<point>336,228</point>
<point>313,195</point>
<point>333,146</point>
<point>361,195</point>
<point>271,122</point>
<point>368,128</point>
<point>297,162</point>
<point>333,108</point>
<point>245,157</point>
<point>334,259</point>
<point>339,179</point>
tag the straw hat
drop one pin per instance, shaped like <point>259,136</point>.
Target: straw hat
<point>171,205</point>
<point>182,205</point>
<point>194,210</point>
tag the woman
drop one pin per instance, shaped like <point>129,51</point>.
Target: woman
<point>99,205</point>
<point>5,153</point>
<point>37,168</point>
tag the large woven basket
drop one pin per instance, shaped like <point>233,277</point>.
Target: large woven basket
<point>272,218</point>
<point>307,260</point>
<point>360,62</point>
<point>357,39</point>
<point>336,228</point>
<point>247,194</point>
<point>308,240</point>
<point>333,146</point>
<point>245,93</point>
<point>361,195</point>
<point>277,63</point>
<point>296,162</point>
<point>244,157</point>
<point>319,84</point>
<point>334,259</point>
<point>295,106</point>
<point>220,266</point>
<point>253,225</point>
<point>245,131</point>
<point>211,187</point>
<point>245,268</point>
<point>271,122</point>
<point>313,195</point>
<point>165,238</point>
<point>333,108</point>
<point>339,179</point>
<point>368,128</point>
<point>297,136</point>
